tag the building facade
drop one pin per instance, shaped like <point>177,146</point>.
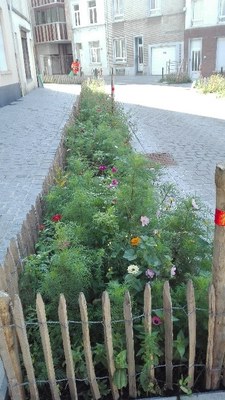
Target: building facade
<point>89,35</point>
<point>147,39</point>
<point>52,35</point>
<point>204,37</point>
<point>17,63</point>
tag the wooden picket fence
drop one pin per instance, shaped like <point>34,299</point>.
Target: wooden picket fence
<point>14,343</point>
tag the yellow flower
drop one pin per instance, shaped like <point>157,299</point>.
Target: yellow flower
<point>135,241</point>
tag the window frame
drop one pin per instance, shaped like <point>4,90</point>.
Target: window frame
<point>222,11</point>
<point>76,15</point>
<point>95,51</point>
<point>157,9</point>
<point>197,21</point>
<point>118,9</point>
<point>3,53</point>
<point>121,58</point>
<point>92,12</point>
<point>26,57</point>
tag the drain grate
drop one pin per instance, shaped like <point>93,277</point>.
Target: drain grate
<point>161,158</point>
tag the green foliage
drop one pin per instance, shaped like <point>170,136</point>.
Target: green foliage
<point>180,77</point>
<point>213,84</point>
<point>110,225</point>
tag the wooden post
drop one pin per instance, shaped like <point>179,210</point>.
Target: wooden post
<point>191,331</point>
<point>127,311</point>
<point>62,311</point>
<point>8,350</point>
<point>211,326</point>
<point>168,323</point>
<point>112,90</point>
<point>218,275</point>
<point>87,348</point>
<point>25,348</point>
<point>148,322</point>
<point>46,346</point>
<point>109,342</point>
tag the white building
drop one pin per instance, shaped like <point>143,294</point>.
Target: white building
<point>89,35</point>
<point>17,64</point>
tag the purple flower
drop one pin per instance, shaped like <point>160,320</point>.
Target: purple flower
<point>150,273</point>
<point>156,320</point>
<point>173,271</point>
<point>114,169</point>
<point>144,220</point>
<point>102,167</point>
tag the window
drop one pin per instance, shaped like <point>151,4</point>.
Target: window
<point>92,12</point>
<point>3,63</point>
<point>118,8</point>
<point>222,10</point>
<point>195,60</point>
<point>78,48</point>
<point>54,14</point>
<point>155,7</point>
<point>197,12</point>
<point>77,14</point>
<point>119,50</point>
<point>95,56</point>
<point>25,54</point>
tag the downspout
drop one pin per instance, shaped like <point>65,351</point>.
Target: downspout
<point>15,47</point>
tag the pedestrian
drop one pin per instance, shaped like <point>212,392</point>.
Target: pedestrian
<point>75,66</point>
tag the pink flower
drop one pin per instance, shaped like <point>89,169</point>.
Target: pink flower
<point>150,273</point>
<point>114,169</point>
<point>114,183</point>
<point>173,271</point>
<point>102,167</point>
<point>56,217</point>
<point>156,320</point>
<point>144,220</point>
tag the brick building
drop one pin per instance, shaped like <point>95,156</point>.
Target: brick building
<point>204,37</point>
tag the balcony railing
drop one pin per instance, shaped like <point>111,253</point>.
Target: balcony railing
<point>51,32</point>
<point>39,3</point>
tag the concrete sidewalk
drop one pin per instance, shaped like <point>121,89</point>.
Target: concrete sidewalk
<point>30,133</point>
<point>200,396</point>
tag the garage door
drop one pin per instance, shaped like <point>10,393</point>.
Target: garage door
<point>220,54</point>
<point>160,56</point>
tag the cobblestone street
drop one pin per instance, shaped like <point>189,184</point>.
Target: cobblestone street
<point>186,125</point>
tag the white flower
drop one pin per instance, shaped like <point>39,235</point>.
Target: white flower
<point>144,220</point>
<point>194,205</point>
<point>173,271</point>
<point>133,269</point>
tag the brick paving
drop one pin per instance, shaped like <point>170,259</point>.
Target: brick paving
<point>30,133</point>
<point>185,125</point>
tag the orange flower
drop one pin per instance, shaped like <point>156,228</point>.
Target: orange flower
<point>135,241</point>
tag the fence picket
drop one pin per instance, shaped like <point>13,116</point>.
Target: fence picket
<point>87,348</point>
<point>62,311</point>
<point>11,274</point>
<point>211,326</point>
<point>106,309</point>
<point>24,344</point>
<point>8,350</point>
<point>15,254</point>
<point>167,310</point>
<point>127,311</point>
<point>40,307</point>
<point>192,331</point>
<point>148,321</point>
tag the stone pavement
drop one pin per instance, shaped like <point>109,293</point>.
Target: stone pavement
<point>182,123</point>
<point>30,132</point>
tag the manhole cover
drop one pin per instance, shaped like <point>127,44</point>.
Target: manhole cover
<point>161,158</point>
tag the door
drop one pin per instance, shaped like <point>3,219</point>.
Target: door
<point>195,58</point>
<point>139,53</point>
<point>161,57</point>
<point>220,55</point>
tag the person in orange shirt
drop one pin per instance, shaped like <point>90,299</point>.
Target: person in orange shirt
<point>75,66</point>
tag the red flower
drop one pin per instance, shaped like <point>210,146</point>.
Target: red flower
<point>56,217</point>
<point>41,227</point>
<point>156,320</point>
